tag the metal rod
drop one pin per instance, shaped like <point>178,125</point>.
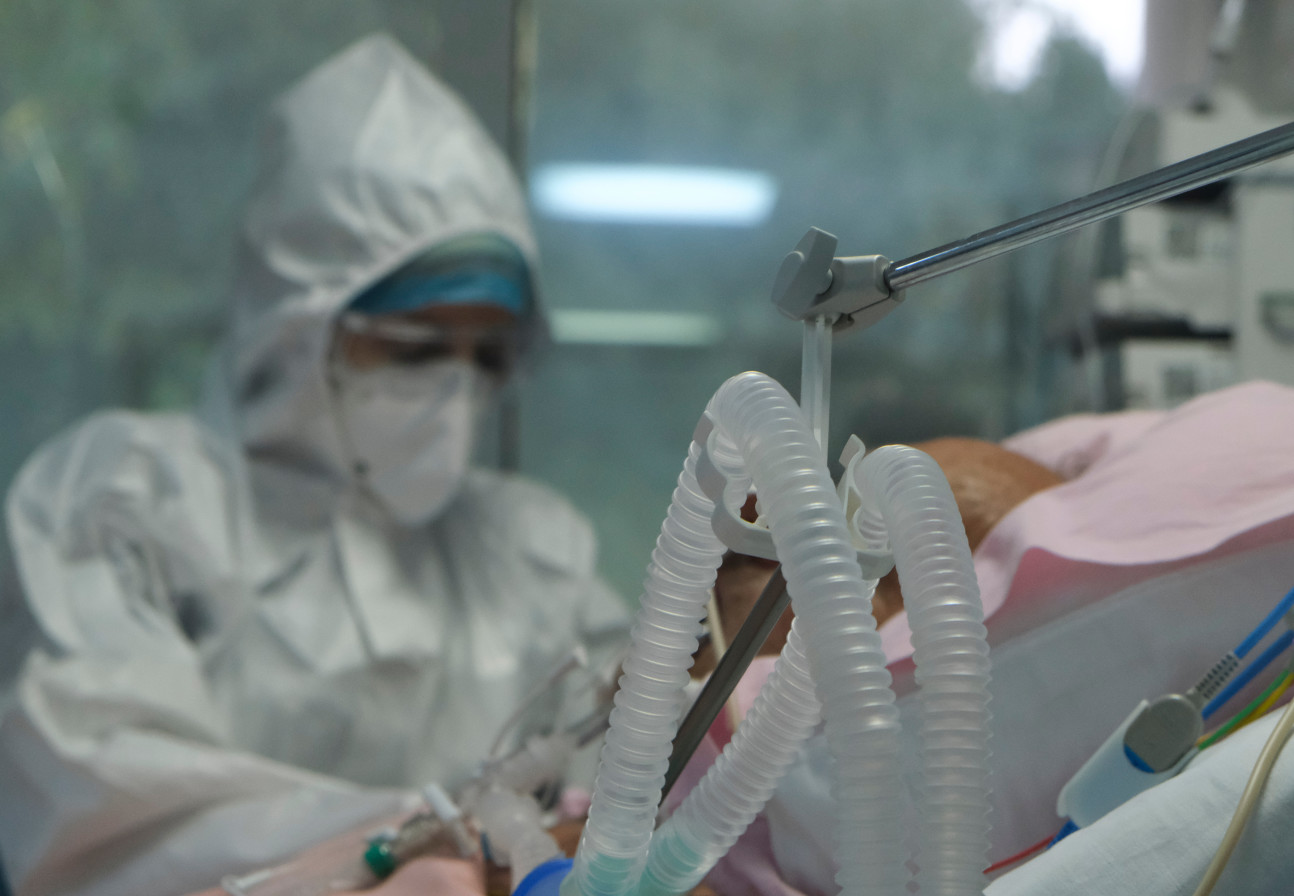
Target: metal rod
<point>772,602</point>
<point>1098,206</point>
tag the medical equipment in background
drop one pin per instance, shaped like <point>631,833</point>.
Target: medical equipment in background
<point>1196,292</point>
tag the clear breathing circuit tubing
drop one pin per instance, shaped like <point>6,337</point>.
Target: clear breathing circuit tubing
<point>761,434</point>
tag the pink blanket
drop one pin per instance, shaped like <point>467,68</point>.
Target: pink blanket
<point>1148,492</point>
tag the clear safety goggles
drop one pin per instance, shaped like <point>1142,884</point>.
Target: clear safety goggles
<point>365,342</point>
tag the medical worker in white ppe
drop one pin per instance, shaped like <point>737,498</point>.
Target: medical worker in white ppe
<point>259,626</point>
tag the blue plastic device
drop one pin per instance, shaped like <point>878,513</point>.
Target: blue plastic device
<point>545,879</point>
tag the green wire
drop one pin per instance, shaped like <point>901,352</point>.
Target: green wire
<point>1239,717</point>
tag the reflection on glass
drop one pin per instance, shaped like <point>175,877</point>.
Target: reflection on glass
<point>646,194</point>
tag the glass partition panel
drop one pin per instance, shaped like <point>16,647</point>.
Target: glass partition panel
<point>677,151</point>
<point>879,122</point>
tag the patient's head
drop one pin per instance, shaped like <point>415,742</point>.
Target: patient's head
<point>987,481</point>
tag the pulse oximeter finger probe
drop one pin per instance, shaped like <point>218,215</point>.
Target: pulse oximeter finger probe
<point>1158,739</point>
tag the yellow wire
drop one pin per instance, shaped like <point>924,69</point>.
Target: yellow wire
<point>1265,705</point>
<point>1246,715</point>
<point>1248,800</point>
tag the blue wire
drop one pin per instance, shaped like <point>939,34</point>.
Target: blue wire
<point>1264,660</point>
<point>1265,626</point>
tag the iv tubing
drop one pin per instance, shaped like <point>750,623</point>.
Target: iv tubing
<point>1248,799</point>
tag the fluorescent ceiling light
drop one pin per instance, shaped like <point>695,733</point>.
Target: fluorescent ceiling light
<point>653,194</point>
<point>645,328</point>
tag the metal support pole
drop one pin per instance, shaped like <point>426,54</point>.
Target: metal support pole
<point>521,80</point>
<point>1098,206</point>
<point>772,603</point>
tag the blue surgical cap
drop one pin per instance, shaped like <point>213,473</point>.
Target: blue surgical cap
<point>476,269</point>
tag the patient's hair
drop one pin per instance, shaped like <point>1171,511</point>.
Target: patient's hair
<point>987,481</point>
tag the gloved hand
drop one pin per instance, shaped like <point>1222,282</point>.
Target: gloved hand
<point>418,877</point>
<point>433,874</point>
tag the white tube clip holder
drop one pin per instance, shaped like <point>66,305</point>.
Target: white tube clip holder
<point>752,539</point>
<point>852,291</point>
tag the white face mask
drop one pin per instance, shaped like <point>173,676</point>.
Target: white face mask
<point>411,432</point>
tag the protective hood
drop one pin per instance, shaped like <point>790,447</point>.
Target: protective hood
<point>367,162</point>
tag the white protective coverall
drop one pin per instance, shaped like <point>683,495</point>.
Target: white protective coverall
<point>232,650</point>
